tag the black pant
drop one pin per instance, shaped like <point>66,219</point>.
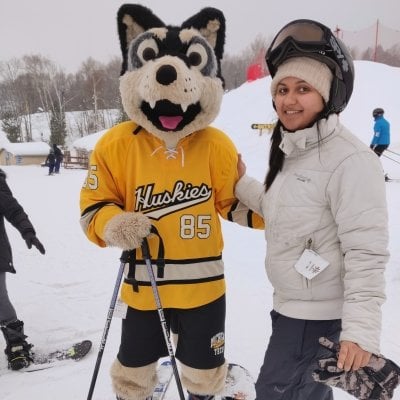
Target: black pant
<point>291,358</point>
<point>7,311</point>
<point>379,148</point>
<point>201,336</point>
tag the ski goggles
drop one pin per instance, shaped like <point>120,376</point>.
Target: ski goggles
<point>300,37</point>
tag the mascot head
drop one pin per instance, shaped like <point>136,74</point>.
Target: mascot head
<point>171,80</point>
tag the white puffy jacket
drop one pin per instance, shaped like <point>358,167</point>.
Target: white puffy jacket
<point>330,196</point>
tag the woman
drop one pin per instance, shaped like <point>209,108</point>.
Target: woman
<point>17,350</point>
<point>324,204</point>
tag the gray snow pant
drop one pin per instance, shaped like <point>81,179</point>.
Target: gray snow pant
<point>291,358</point>
<point>7,311</point>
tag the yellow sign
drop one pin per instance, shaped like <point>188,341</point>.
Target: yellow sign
<point>263,126</point>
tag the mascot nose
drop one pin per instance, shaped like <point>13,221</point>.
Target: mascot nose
<point>166,74</point>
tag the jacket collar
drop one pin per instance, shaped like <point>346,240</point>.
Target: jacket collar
<point>308,138</point>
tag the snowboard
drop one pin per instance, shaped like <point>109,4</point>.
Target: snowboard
<point>74,352</point>
<point>239,384</point>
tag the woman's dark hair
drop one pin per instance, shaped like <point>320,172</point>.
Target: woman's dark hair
<point>276,156</point>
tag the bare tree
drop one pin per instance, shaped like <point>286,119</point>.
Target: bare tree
<point>111,95</point>
<point>93,73</point>
<point>49,81</point>
<point>16,105</point>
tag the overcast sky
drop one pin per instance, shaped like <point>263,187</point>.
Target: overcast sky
<point>70,31</point>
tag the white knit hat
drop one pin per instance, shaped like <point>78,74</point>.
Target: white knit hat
<point>315,73</point>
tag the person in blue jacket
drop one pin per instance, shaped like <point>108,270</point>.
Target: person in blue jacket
<point>381,139</point>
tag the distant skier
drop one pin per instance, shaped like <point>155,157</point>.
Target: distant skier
<point>58,154</point>
<point>381,139</point>
<point>18,349</point>
<point>51,161</point>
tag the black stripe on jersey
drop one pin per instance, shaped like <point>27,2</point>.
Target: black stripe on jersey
<point>250,219</point>
<point>137,130</point>
<point>233,208</point>
<point>179,282</point>
<point>184,261</point>
<point>98,206</point>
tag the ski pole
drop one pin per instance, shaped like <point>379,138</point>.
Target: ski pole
<point>391,151</point>
<point>124,259</point>
<point>146,256</point>
<point>390,158</point>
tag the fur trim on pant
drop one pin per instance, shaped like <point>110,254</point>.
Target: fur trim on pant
<point>204,381</point>
<point>133,383</point>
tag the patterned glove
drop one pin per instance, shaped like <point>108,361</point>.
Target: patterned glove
<point>127,230</point>
<point>31,239</point>
<point>376,381</point>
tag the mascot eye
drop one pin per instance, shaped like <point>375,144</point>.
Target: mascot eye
<point>148,54</point>
<point>197,55</point>
<point>147,50</point>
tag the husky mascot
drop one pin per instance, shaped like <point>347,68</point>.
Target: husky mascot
<point>167,176</point>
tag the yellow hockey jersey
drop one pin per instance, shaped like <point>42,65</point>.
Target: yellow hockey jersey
<point>183,191</point>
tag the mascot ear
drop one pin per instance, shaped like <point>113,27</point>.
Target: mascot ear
<point>133,19</point>
<point>210,22</point>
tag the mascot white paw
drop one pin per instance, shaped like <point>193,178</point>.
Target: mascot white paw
<point>127,230</point>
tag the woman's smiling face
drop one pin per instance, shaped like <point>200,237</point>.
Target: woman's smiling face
<point>297,103</point>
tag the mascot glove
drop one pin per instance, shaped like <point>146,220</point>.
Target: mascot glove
<point>31,239</point>
<point>127,230</point>
<point>376,381</point>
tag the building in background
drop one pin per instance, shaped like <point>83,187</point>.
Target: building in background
<point>22,153</point>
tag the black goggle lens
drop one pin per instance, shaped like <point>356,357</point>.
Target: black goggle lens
<point>298,37</point>
<point>301,32</point>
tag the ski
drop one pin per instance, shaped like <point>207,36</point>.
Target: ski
<point>75,352</point>
<point>392,180</point>
<point>239,384</point>
<point>164,374</point>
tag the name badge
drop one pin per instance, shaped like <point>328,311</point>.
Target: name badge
<point>310,264</point>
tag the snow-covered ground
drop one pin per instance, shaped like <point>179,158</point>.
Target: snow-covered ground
<point>64,295</point>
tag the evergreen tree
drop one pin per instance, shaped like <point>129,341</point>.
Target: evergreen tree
<point>58,126</point>
<point>11,125</point>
